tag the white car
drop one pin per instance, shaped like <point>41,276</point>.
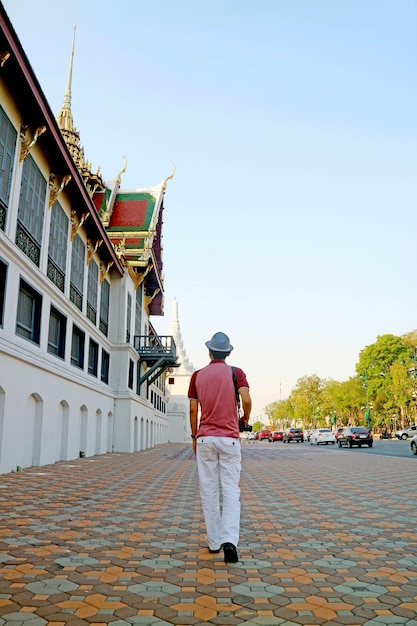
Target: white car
<point>322,435</point>
<point>406,432</point>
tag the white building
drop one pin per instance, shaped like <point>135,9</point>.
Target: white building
<point>82,370</point>
<point>178,383</point>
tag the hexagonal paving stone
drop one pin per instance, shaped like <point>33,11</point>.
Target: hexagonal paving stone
<point>257,589</point>
<point>362,590</point>
<point>22,619</point>
<point>51,586</point>
<point>153,589</point>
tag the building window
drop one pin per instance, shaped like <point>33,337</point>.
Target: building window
<point>105,366</point>
<point>31,210</point>
<point>29,307</point>
<point>8,137</point>
<point>131,373</point>
<point>138,311</point>
<point>3,275</point>
<point>92,291</point>
<point>77,347</point>
<point>57,250</point>
<point>57,332</point>
<point>77,272</point>
<point>93,358</point>
<point>104,307</point>
<point>128,317</point>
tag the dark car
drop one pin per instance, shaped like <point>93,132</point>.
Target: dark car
<point>355,436</point>
<point>277,435</point>
<point>293,434</point>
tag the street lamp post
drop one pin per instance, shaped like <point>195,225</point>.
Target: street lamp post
<point>367,407</point>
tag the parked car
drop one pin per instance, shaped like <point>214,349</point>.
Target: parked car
<point>405,433</point>
<point>277,435</point>
<point>337,432</point>
<point>293,434</point>
<point>322,435</point>
<point>307,434</point>
<point>265,435</point>
<point>355,436</point>
<point>413,444</point>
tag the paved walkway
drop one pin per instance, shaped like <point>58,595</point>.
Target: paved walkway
<point>328,537</point>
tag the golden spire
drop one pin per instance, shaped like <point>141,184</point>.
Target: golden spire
<point>65,121</point>
<point>93,182</point>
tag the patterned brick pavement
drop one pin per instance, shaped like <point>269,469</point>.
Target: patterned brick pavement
<point>120,539</point>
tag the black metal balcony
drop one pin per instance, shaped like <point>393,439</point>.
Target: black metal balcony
<point>159,352</point>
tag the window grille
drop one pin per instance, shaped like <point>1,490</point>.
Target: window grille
<point>3,275</point>
<point>93,358</point>
<point>77,272</point>
<point>128,317</point>
<point>77,347</point>
<point>92,291</point>
<point>138,311</point>
<point>104,307</point>
<point>105,366</point>
<point>28,322</point>
<point>57,331</point>
<point>58,242</point>
<point>8,136</point>
<point>31,210</point>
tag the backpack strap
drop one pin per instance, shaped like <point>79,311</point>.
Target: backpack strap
<point>235,384</point>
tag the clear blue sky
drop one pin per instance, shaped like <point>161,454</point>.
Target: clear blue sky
<point>290,223</point>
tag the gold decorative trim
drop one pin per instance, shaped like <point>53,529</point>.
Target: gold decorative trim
<point>170,177</point>
<point>122,171</point>
<point>104,270</point>
<point>77,221</point>
<point>148,299</point>
<point>4,56</point>
<point>138,277</point>
<point>54,189</point>
<point>27,143</point>
<point>120,248</point>
<point>92,246</point>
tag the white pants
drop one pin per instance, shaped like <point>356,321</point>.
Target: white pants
<point>219,463</point>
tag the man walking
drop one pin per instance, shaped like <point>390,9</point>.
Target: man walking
<point>216,443</point>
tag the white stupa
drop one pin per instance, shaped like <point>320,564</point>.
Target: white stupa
<point>186,368</point>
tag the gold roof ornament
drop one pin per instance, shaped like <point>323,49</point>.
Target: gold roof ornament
<point>122,171</point>
<point>28,143</point>
<point>170,177</point>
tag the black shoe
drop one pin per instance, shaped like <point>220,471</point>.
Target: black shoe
<point>230,553</point>
<point>214,551</point>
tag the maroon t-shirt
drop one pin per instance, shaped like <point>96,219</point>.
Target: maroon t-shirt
<point>214,389</point>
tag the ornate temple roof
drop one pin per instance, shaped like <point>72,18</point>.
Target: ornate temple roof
<point>132,218</point>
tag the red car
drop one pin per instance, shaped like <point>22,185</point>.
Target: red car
<point>265,434</point>
<point>277,435</point>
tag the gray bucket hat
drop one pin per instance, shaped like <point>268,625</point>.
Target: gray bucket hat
<point>219,343</point>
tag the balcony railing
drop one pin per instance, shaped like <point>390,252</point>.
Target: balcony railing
<point>159,352</point>
<point>151,348</point>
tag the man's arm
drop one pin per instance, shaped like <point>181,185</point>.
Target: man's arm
<point>246,403</point>
<point>193,420</point>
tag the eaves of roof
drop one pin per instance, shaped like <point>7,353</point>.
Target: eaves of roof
<point>22,83</point>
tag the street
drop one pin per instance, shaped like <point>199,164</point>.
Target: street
<point>386,447</point>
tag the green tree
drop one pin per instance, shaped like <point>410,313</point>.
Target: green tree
<point>307,399</point>
<point>280,414</point>
<point>375,369</point>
